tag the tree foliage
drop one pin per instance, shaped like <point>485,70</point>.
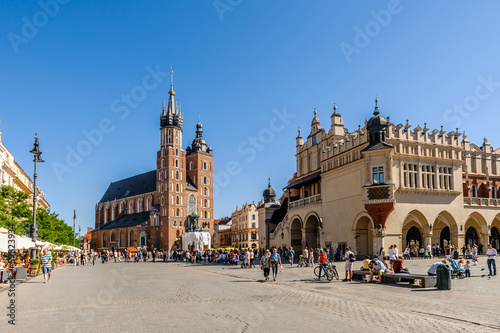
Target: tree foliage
<point>17,213</point>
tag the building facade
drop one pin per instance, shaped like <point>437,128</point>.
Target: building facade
<point>386,184</point>
<point>11,174</point>
<point>245,227</point>
<point>153,209</point>
<point>222,233</point>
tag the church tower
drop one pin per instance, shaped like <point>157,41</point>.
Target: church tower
<point>199,163</point>
<point>171,174</point>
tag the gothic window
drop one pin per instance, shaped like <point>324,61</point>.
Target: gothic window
<point>176,163</point>
<point>474,191</point>
<point>428,177</point>
<point>205,180</point>
<point>139,206</point>
<point>131,238</point>
<point>205,205</point>
<point>191,204</point>
<point>176,151</point>
<point>410,172</point>
<point>104,239</point>
<point>177,187</point>
<point>177,175</point>
<point>205,165</point>
<point>169,136</point>
<point>205,214</point>
<point>205,191</point>
<point>177,200</point>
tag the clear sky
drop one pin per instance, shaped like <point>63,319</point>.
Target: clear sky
<point>253,70</point>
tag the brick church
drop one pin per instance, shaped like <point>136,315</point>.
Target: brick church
<point>151,210</point>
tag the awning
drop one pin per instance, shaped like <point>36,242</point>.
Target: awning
<point>307,179</point>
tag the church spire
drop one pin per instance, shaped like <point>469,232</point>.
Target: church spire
<point>171,94</point>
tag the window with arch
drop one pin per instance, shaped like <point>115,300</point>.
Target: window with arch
<point>122,239</point>
<point>131,238</point>
<point>103,240</point>
<point>169,136</point>
<point>205,191</point>
<point>205,165</point>
<point>205,214</point>
<point>190,165</point>
<point>205,180</point>
<point>176,163</point>
<point>176,151</point>
<point>112,238</point>
<point>205,203</point>
<point>177,187</point>
<point>178,212</point>
<point>177,200</point>
<point>105,215</point>
<point>139,206</point>
<point>177,175</point>
<point>162,163</point>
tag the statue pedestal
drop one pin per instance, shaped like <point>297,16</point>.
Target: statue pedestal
<point>196,240</point>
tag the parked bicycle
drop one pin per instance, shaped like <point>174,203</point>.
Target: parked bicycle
<point>329,270</point>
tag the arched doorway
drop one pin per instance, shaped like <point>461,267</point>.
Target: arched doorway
<point>312,231</point>
<point>471,236</point>
<point>495,238</point>
<point>413,237</point>
<point>143,241</point>
<point>296,234</point>
<point>444,237</point>
<point>364,239</point>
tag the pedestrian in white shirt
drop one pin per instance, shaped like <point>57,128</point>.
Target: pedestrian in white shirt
<point>429,250</point>
<point>491,253</point>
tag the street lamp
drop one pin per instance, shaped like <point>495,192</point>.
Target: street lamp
<point>79,231</point>
<point>36,158</point>
<point>74,218</point>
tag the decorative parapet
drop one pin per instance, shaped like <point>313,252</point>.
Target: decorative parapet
<point>306,201</point>
<point>417,191</point>
<point>482,202</point>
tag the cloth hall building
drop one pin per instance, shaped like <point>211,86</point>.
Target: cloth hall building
<point>150,210</point>
<point>386,184</point>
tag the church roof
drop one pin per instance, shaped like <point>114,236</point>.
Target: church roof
<point>279,214</point>
<point>125,221</point>
<point>136,185</point>
<point>190,185</point>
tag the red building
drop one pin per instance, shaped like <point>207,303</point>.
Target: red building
<point>152,209</point>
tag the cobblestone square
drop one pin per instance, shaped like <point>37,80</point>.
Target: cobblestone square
<point>173,296</point>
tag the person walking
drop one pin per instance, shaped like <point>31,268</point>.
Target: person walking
<point>311,256</point>
<point>265,263</point>
<point>305,254</point>
<point>275,261</point>
<point>491,253</point>
<point>349,259</point>
<point>291,254</point>
<point>46,259</point>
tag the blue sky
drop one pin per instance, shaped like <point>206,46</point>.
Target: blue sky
<point>253,70</point>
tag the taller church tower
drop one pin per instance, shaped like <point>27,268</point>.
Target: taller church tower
<point>171,174</point>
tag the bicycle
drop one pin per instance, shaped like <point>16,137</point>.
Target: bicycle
<point>330,271</point>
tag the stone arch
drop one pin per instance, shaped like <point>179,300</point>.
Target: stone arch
<point>296,226</point>
<point>362,228</point>
<point>444,230</point>
<point>414,221</point>
<point>312,230</point>
<point>475,229</point>
<point>313,213</point>
<point>495,233</point>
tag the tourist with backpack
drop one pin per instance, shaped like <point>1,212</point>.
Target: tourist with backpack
<point>349,259</point>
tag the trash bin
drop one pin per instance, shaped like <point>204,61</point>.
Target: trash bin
<point>456,255</point>
<point>443,277</point>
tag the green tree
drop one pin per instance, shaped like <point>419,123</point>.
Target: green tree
<point>14,209</point>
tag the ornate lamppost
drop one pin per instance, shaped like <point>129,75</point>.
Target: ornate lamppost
<point>36,158</point>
